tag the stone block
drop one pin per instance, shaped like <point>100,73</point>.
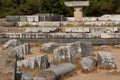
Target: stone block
<point>33,18</point>
<point>11,44</point>
<point>49,46</point>
<point>9,24</point>
<point>13,18</point>
<point>34,62</point>
<point>106,60</point>
<point>86,49</point>
<point>88,63</point>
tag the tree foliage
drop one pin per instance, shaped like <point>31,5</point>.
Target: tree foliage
<point>28,7</point>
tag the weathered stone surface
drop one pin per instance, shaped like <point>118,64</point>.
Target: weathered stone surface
<point>86,49</point>
<point>12,18</point>
<point>26,76</point>
<point>52,64</point>
<point>106,60</point>
<point>33,18</point>
<point>88,63</point>
<point>42,29</point>
<point>109,17</point>
<point>39,78</point>
<point>8,24</point>
<point>18,75</point>
<point>22,50</point>
<point>48,74</point>
<point>8,62</point>
<point>62,53</point>
<point>76,30</point>
<point>70,51</point>
<point>104,30</point>
<point>49,46</point>
<point>11,44</point>
<point>34,62</point>
<point>49,24</point>
<point>55,72</point>
<point>67,52</point>
<point>90,18</point>
<point>62,69</point>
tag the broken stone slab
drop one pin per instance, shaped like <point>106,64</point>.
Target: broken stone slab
<point>106,60</point>
<point>62,69</point>
<point>22,50</point>
<point>11,44</point>
<point>8,62</point>
<point>88,63</point>
<point>69,51</point>
<point>49,46</point>
<point>86,49</point>
<point>62,53</point>
<point>34,62</point>
<point>54,73</point>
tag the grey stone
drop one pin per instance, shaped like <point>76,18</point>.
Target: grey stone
<point>76,30</point>
<point>11,44</point>
<point>62,53</point>
<point>54,73</point>
<point>34,62</point>
<point>62,69</point>
<point>69,51</point>
<point>49,24</point>
<point>26,76</point>
<point>39,78</point>
<point>86,49</point>
<point>13,18</point>
<point>22,50</point>
<point>117,46</point>
<point>9,24</point>
<point>48,74</point>
<point>88,63</point>
<point>106,60</point>
<point>50,46</point>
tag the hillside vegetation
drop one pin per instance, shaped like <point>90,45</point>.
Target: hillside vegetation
<point>28,7</point>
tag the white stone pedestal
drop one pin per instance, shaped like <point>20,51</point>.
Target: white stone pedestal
<point>78,15</point>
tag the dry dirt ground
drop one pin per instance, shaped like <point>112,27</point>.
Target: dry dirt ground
<point>77,74</point>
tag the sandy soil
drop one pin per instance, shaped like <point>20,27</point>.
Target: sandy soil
<point>77,74</point>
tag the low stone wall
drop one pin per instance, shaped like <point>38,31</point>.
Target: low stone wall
<point>66,29</point>
<point>60,35</point>
<point>93,41</point>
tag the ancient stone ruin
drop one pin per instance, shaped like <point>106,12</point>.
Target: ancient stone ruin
<point>106,60</point>
<point>77,5</point>
<point>88,63</point>
<point>34,62</point>
<point>71,50</point>
<point>11,44</point>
